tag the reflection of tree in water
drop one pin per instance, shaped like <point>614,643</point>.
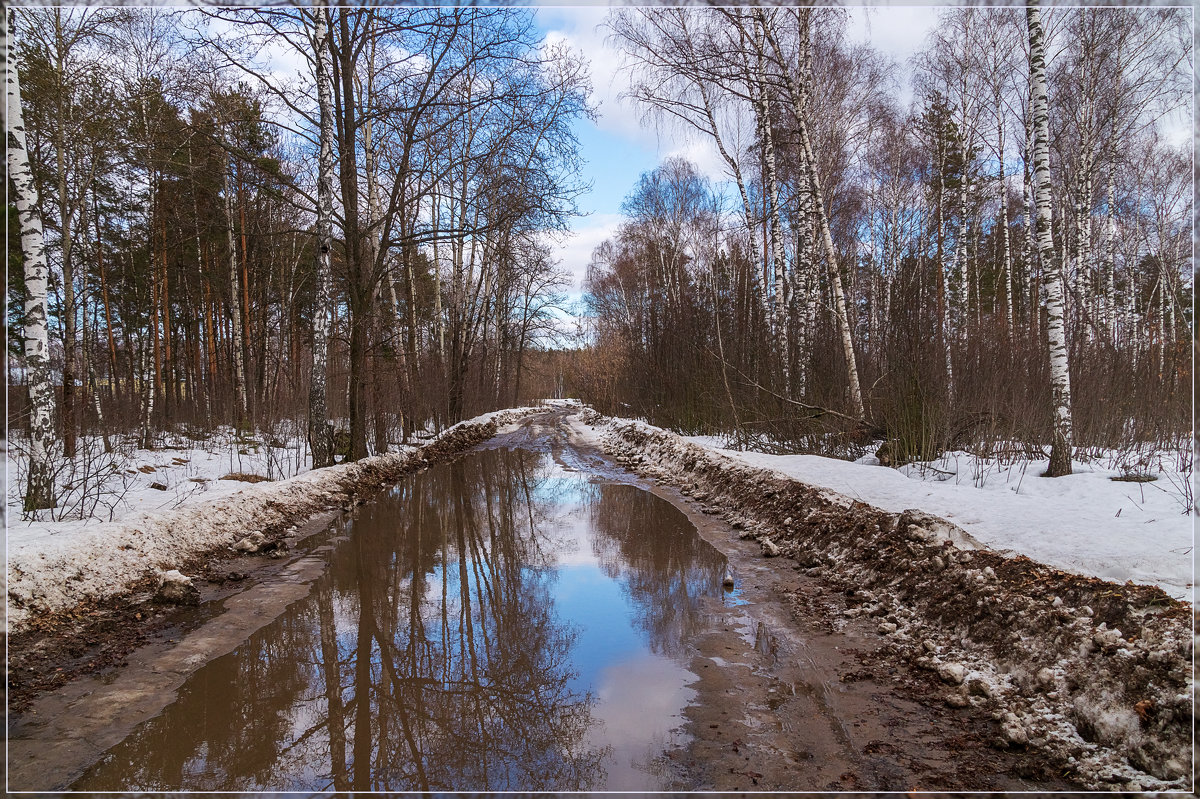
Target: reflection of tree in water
<point>391,676</point>
<point>666,567</point>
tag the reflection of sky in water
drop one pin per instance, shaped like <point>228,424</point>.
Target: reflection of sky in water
<point>641,694</point>
<point>598,606</point>
<point>610,580</point>
<point>641,698</point>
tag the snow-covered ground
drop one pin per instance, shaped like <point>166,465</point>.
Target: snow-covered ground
<point>135,527</point>
<point>131,482</point>
<point>1085,523</point>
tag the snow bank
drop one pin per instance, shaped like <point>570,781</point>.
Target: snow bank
<point>149,482</point>
<point>1085,522</point>
<point>53,566</point>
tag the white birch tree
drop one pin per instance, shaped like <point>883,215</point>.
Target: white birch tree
<point>1060,377</point>
<point>809,162</point>
<point>320,437</point>
<point>39,487</point>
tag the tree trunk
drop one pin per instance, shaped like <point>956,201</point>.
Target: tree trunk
<point>1006,277</point>
<point>108,327</point>
<point>814,186</point>
<point>358,272</point>
<point>239,375</point>
<point>39,488</point>
<point>244,298</point>
<point>1060,378</point>
<point>68,266</point>
<point>762,112</point>
<point>943,287</point>
<point>320,437</point>
<point>1110,263</point>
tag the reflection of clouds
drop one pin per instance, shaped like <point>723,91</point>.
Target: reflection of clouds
<point>487,618</point>
<point>662,562</point>
<point>572,539</point>
<point>640,702</point>
<point>576,556</point>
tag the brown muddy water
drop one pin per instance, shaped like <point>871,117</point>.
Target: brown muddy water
<point>498,623</point>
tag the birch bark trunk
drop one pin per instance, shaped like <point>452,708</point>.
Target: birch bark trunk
<point>1006,277</point>
<point>1029,293</point>
<point>966,137</point>
<point>762,111</point>
<point>1110,263</point>
<point>235,308</point>
<point>67,242</point>
<point>320,436</point>
<point>814,186</point>
<point>39,487</point>
<point>1060,378</point>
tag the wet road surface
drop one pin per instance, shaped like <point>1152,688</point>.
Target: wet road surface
<point>528,617</point>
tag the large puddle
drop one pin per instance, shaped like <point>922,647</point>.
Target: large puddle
<point>499,623</point>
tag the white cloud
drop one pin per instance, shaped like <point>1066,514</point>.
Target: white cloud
<point>583,29</point>
<point>575,251</point>
<point>704,154</point>
<point>896,31</point>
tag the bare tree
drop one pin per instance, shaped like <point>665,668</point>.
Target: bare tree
<point>814,184</point>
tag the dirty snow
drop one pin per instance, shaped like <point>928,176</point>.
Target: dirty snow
<point>991,633</point>
<point>53,564</point>
<point>1083,523</point>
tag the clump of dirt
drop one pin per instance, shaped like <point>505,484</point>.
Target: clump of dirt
<point>1097,676</point>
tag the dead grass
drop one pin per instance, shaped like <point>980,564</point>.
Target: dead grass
<point>1134,478</point>
<point>246,477</point>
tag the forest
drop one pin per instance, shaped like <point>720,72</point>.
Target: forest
<point>338,226</point>
<point>889,272</point>
<point>358,234</point>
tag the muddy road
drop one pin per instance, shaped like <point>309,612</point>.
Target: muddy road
<point>527,616</point>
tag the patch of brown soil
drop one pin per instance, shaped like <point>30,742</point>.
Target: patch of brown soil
<point>245,477</point>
